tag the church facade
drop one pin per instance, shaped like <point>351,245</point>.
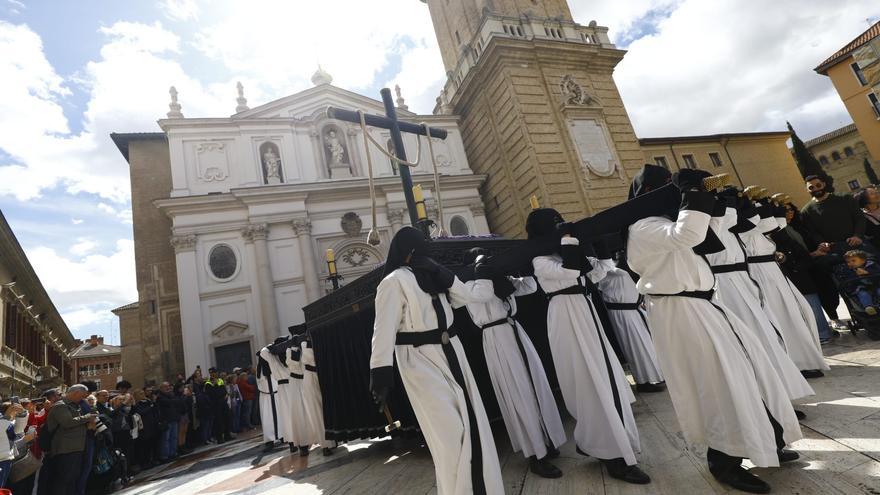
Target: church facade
<point>256,200</point>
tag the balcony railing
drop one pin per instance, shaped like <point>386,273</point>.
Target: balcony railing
<point>496,26</point>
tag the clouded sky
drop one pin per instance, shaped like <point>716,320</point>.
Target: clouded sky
<point>73,72</point>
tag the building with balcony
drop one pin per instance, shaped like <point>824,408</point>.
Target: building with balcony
<point>99,362</point>
<point>35,343</point>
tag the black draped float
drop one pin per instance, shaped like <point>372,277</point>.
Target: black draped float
<point>341,326</point>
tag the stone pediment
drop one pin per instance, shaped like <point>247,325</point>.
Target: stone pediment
<point>228,330</point>
<point>309,104</point>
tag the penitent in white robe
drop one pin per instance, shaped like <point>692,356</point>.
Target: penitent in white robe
<point>518,378</point>
<point>268,389</point>
<point>437,399</point>
<point>718,375</point>
<point>631,326</point>
<point>786,307</point>
<point>738,293</point>
<point>582,357</point>
<point>312,399</point>
<point>297,410</point>
<point>285,397</point>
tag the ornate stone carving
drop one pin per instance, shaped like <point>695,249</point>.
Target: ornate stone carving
<point>574,94</point>
<point>356,256</point>
<point>301,226</point>
<point>255,232</point>
<point>174,107</point>
<point>241,100</point>
<point>271,163</point>
<point>182,243</point>
<point>212,164</point>
<point>351,224</point>
<point>395,216</point>
<point>594,146</point>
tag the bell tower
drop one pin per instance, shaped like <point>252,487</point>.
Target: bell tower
<point>540,112</point>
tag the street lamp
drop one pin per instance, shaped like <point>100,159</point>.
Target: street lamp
<point>38,377</point>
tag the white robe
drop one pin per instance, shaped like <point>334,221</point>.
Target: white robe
<point>267,420</point>
<point>717,373</point>
<point>437,399</point>
<point>523,392</point>
<point>631,326</point>
<point>285,397</point>
<point>580,350</point>
<point>297,411</point>
<point>786,307</point>
<point>738,293</point>
<point>312,399</point>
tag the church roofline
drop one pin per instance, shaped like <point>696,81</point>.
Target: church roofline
<point>253,112</point>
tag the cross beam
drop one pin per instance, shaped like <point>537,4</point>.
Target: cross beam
<point>390,122</point>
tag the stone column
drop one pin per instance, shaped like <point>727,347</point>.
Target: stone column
<point>195,347</point>
<point>396,219</point>
<point>302,227</point>
<point>257,233</point>
<point>480,223</point>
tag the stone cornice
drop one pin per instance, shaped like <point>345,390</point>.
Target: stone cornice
<point>256,232</point>
<point>183,242</point>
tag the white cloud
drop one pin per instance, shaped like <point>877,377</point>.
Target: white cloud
<point>180,10</point>
<point>76,221</point>
<point>86,287</point>
<point>731,65</point>
<point>83,246</point>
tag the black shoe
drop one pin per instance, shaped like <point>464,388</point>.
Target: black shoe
<point>787,455</point>
<point>327,451</point>
<point>552,452</point>
<point>812,373</point>
<point>268,446</point>
<point>304,450</point>
<point>800,415</point>
<point>650,388</point>
<point>293,448</point>
<point>581,452</point>
<point>743,480</point>
<point>543,468</point>
<point>618,469</point>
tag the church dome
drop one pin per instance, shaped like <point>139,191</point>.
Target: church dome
<point>321,77</point>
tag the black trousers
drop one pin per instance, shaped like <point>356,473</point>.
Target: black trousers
<point>721,463</point>
<point>62,472</point>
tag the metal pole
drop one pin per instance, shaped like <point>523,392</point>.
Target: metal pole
<point>397,141</point>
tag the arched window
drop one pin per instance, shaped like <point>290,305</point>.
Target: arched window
<point>458,226</point>
<point>848,151</point>
<point>835,156</point>
<point>823,160</point>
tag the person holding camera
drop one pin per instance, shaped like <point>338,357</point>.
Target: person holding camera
<point>66,428</point>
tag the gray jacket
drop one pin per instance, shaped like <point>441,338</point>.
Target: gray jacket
<point>68,426</point>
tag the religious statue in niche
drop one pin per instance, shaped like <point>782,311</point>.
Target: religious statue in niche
<point>337,155</point>
<point>574,94</point>
<point>271,163</point>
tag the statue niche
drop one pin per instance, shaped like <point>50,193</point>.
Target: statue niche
<point>270,160</point>
<point>336,152</point>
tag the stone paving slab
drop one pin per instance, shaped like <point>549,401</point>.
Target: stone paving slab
<point>840,453</point>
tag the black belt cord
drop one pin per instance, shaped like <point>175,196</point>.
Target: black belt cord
<point>479,484</point>
<point>636,306</point>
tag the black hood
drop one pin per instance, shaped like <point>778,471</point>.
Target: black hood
<point>542,222</point>
<point>651,177</point>
<point>502,285</point>
<point>407,241</point>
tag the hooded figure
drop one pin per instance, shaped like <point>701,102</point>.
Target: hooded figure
<point>725,391</point>
<point>739,293</point>
<point>413,324</point>
<point>518,378</point>
<point>786,307</point>
<point>591,378</point>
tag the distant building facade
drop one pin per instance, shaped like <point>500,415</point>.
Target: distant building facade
<point>99,362</point>
<point>751,158</point>
<point>855,72</point>
<point>35,343</point>
<point>842,153</point>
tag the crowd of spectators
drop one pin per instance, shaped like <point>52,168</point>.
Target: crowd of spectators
<point>823,234</point>
<point>90,441</point>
